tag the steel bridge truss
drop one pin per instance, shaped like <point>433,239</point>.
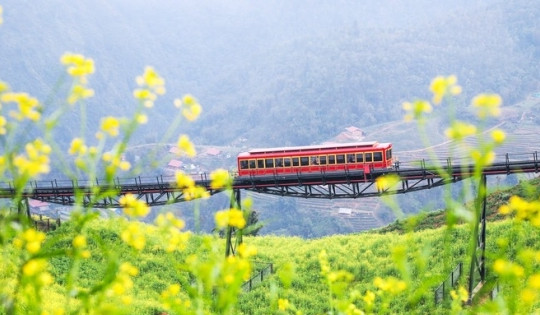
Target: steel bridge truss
<point>156,191</point>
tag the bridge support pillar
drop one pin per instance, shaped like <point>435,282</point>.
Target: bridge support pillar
<point>478,258</point>
<point>230,245</point>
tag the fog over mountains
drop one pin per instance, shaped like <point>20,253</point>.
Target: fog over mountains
<point>274,72</point>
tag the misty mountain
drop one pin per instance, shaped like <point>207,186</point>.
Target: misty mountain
<point>273,72</point>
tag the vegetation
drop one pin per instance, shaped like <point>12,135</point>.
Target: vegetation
<point>122,266</point>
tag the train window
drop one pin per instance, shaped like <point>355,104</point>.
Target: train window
<point>252,164</point>
<point>295,161</point>
<point>287,162</point>
<point>369,157</point>
<point>388,154</point>
<point>244,165</point>
<point>314,160</point>
<point>350,158</point>
<point>279,162</point>
<point>304,161</point>
<point>340,158</point>
<point>322,159</point>
<point>269,163</point>
<point>260,163</point>
<point>359,157</point>
<point>377,156</point>
<point>331,159</point>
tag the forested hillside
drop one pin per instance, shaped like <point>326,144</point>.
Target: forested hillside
<point>258,67</point>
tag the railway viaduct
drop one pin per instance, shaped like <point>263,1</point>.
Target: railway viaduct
<point>412,176</point>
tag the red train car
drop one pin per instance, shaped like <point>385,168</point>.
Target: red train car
<point>307,159</point>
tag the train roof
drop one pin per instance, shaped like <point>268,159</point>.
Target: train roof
<point>314,148</point>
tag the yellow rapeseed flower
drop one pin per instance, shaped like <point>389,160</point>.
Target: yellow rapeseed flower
<point>28,106</point>
<point>220,178</point>
<point>133,207</point>
<point>77,65</point>
<point>3,123</point>
<point>79,241</point>
<point>169,220</point>
<point>232,217</point>
<point>369,298</point>
<point>36,160</point>
<point>183,180</point>
<point>283,304</point>
<point>488,105</point>
<point>246,251</point>
<point>534,281</point>
<point>195,192</point>
<point>441,86</point>
<point>460,130</point>
<point>191,109</point>
<point>77,147</point>
<point>79,92</point>
<point>416,110</point>
<point>1,18</point>
<point>110,125</point>
<point>507,268</point>
<point>34,267</point>
<point>185,145</point>
<point>134,236</point>
<point>385,182</point>
<point>498,136</point>
<point>391,285</point>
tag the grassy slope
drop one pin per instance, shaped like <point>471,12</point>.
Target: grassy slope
<point>435,252</point>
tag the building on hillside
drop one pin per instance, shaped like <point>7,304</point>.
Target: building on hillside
<point>213,152</point>
<point>38,206</point>
<point>174,164</point>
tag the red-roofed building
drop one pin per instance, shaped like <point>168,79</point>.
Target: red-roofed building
<point>175,164</point>
<point>174,150</point>
<point>213,151</point>
<point>38,205</point>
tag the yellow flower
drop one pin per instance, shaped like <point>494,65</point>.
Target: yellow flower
<point>77,146</point>
<point>36,160</point>
<point>460,130</point>
<point>1,19</point>
<point>133,207</point>
<point>110,125</point>
<point>79,241</point>
<point>391,285</point>
<point>185,145</point>
<point>416,110</point>
<point>183,180</point>
<point>191,109</point>
<point>283,304</point>
<point>246,251</point>
<point>534,281</point>
<point>488,105</point>
<point>77,65</point>
<point>369,298</point>
<point>483,158</point>
<point>507,268</point>
<point>3,123</point>
<point>29,107</point>
<point>34,267</point>
<point>79,92</point>
<point>232,217</point>
<point>195,192</point>
<point>151,85</point>
<point>220,178</point>
<point>461,294</point>
<point>150,78</point>
<point>141,119</point>
<point>385,182</point>
<point>441,86</point>
<point>169,220</point>
<point>134,236</point>
<point>498,136</point>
